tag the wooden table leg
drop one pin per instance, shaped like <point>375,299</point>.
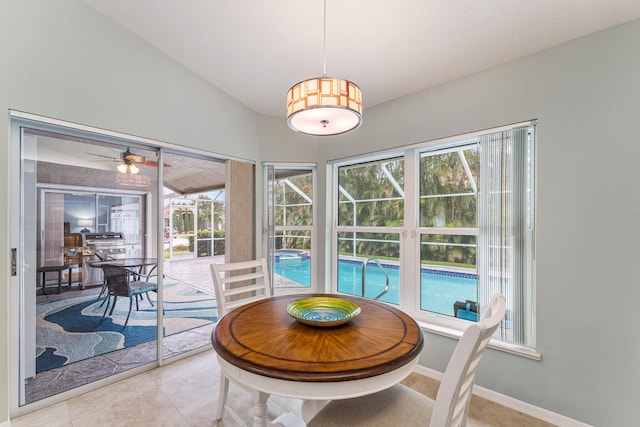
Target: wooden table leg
<point>259,408</point>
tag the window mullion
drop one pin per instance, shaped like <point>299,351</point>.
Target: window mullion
<point>410,238</point>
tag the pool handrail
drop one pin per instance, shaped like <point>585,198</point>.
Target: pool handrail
<point>364,268</point>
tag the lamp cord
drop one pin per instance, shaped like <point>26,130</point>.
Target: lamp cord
<point>324,42</point>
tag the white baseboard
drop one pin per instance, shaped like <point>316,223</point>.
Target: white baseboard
<point>6,424</point>
<point>509,402</point>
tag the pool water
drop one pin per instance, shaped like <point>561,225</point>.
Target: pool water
<point>438,290</point>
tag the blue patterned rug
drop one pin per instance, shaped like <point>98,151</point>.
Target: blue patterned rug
<point>69,330</point>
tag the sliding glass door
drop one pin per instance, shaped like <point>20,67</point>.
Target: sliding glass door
<point>79,208</point>
<point>193,238</point>
<point>86,201</point>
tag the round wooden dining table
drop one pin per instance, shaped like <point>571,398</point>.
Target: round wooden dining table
<point>262,347</point>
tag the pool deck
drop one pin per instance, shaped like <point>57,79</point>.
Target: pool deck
<point>195,272</point>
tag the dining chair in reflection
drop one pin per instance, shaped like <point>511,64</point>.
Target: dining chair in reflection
<point>119,283</point>
<point>103,290</point>
<point>235,285</point>
<point>403,406</point>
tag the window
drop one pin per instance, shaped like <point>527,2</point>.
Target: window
<point>288,224</point>
<point>370,219</point>
<point>448,230</point>
<point>445,225</point>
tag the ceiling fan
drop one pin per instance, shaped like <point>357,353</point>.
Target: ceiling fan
<point>130,162</point>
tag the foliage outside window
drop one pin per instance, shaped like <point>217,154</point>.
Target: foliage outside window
<point>294,207</point>
<point>372,194</point>
<point>199,221</point>
<point>448,201</point>
<point>289,216</point>
<point>472,228</point>
<point>370,218</point>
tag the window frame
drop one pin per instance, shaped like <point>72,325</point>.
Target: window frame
<point>411,232</point>
<point>270,228</point>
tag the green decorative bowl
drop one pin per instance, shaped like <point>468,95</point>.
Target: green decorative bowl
<point>323,311</point>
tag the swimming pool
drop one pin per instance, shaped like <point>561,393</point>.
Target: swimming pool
<point>438,290</point>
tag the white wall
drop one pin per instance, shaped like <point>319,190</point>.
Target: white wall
<point>586,97</point>
<point>63,60</point>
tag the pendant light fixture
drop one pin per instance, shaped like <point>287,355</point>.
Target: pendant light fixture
<point>323,105</point>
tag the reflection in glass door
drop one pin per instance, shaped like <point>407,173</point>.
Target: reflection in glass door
<point>182,222</point>
<point>123,214</point>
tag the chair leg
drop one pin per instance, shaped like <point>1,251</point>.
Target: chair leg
<point>115,298</point>
<point>107,299</point>
<point>102,291</point>
<point>129,313</point>
<point>148,298</point>
<point>222,398</point>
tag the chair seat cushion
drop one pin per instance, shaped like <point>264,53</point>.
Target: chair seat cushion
<point>398,406</point>
<point>140,287</point>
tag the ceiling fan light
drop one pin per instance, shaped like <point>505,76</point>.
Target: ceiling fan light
<point>134,169</point>
<point>122,168</point>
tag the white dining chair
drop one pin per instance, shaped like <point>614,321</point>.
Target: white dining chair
<point>403,406</point>
<point>235,285</point>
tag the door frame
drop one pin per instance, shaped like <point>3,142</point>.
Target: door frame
<point>18,121</point>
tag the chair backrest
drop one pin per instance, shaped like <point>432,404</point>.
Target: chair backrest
<point>117,279</point>
<point>239,283</point>
<point>452,402</point>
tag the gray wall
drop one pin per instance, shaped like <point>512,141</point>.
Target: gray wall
<point>63,60</point>
<point>585,95</point>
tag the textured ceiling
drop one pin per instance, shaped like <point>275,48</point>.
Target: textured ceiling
<point>255,50</point>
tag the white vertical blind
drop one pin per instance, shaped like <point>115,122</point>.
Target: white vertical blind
<point>504,207</point>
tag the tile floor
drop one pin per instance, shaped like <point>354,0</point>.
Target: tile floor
<point>185,393</point>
